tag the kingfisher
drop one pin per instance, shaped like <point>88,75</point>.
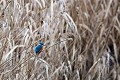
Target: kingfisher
<point>39,48</point>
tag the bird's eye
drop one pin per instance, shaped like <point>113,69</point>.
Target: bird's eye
<point>41,43</point>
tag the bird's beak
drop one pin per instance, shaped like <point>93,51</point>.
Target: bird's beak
<point>43,45</point>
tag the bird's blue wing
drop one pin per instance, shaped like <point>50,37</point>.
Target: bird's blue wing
<point>38,48</point>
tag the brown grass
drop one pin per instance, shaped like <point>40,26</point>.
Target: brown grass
<point>81,39</point>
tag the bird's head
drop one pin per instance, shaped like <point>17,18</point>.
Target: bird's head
<point>41,43</point>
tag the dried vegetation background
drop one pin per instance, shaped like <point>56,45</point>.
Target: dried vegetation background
<point>82,39</point>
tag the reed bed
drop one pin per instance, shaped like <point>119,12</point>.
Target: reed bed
<point>81,39</point>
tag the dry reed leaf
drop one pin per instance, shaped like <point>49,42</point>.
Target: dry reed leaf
<point>44,62</point>
<point>52,13</point>
<point>46,29</point>
<point>102,31</point>
<point>25,34</point>
<point>33,21</point>
<point>91,6</point>
<point>115,47</point>
<point>85,3</point>
<point>26,39</point>
<point>51,44</point>
<point>93,66</point>
<point>86,27</point>
<point>66,48</point>
<point>27,8</point>
<point>47,72</point>
<point>57,70</point>
<point>10,52</point>
<point>39,3</point>
<point>4,3</point>
<point>86,15</point>
<point>117,28</point>
<point>108,9</point>
<point>70,65</point>
<point>66,78</point>
<point>70,21</point>
<point>0,44</point>
<point>74,51</point>
<point>42,3</point>
<point>118,21</point>
<point>78,75</point>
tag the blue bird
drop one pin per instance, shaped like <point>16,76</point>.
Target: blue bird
<point>39,47</point>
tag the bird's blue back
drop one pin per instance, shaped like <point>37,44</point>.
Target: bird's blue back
<point>39,47</point>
